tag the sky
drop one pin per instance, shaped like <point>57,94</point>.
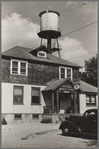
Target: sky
<point>78,22</point>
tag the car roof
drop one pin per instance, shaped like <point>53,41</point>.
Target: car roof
<point>89,110</point>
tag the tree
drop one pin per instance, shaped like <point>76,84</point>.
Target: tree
<point>91,71</point>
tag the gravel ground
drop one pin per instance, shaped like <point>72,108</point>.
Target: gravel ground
<point>38,135</point>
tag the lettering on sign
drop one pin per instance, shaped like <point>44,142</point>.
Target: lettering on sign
<point>65,89</point>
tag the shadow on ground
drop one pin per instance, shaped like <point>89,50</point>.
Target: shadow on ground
<point>84,136</point>
<point>91,143</point>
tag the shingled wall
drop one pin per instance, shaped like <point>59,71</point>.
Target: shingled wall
<point>38,74</point>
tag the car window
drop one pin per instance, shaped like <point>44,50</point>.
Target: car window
<point>89,114</point>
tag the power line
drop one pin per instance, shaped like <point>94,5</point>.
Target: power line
<point>24,11</point>
<point>38,19</point>
<point>78,29</point>
<point>32,7</point>
<point>72,8</point>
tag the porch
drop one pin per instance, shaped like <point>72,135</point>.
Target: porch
<point>60,97</point>
<point>48,110</point>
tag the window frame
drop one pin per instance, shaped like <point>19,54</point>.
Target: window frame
<point>90,100</point>
<point>18,118</point>
<point>19,67</point>
<point>16,103</point>
<point>38,54</point>
<point>39,103</point>
<point>65,72</point>
<point>35,116</point>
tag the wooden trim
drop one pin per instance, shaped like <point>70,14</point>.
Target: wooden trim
<point>57,102</point>
<point>52,102</point>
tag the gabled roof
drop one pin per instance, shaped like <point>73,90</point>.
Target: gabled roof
<point>84,87</point>
<point>24,53</point>
<point>54,85</point>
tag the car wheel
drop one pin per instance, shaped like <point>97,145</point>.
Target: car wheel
<point>66,131</point>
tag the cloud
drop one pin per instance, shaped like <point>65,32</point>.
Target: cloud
<point>72,50</point>
<point>83,7</point>
<point>69,4</point>
<point>88,8</point>
<point>18,31</point>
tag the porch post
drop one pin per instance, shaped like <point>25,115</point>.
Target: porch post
<point>52,102</point>
<point>74,103</point>
<point>57,102</point>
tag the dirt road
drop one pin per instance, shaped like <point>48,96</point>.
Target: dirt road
<point>41,136</point>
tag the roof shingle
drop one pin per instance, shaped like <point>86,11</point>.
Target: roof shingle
<point>84,87</point>
<point>22,52</point>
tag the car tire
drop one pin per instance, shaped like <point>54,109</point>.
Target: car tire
<point>66,131</point>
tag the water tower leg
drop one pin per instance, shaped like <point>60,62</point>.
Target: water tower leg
<point>41,42</point>
<point>58,48</point>
<point>49,44</point>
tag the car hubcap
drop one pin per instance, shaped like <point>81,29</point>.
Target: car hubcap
<point>66,130</point>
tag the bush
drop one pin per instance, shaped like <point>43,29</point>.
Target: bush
<point>3,121</point>
<point>46,120</point>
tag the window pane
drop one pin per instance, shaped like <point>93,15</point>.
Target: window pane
<point>18,90</point>
<point>35,99</point>
<point>35,92</point>
<point>23,71</point>
<point>14,64</point>
<point>87,99</point>
<point>62,75</point>
<point>93,100</point>
<point>62,70</point>
<point>15,70</point>
<point>68,73</point>
<point>14,67</point>
<point>35,116</point>
<point>23,68</point>
<point>23,65</point>
<point>18,116</point>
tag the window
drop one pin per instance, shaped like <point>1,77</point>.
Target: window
<point>18,116</point>
<point>18,95</point>
<point>35,96</point>
<point>41,54</point>
<point>18,67</point>
<point>65,72</point>
<point>68,73</point>
<point>62,72</point>
<point>35,116</point>
<point>14,67</point>
<point>90,99</point>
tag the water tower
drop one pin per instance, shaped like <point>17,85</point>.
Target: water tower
<point>49,30</point>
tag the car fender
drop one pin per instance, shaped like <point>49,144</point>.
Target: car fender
<point>69,124</point>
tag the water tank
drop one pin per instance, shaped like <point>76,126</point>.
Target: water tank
<point>49,20</point>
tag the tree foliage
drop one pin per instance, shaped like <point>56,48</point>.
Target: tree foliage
<point>91,71</point>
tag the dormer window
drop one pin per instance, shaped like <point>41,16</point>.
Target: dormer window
<point>41,54</point>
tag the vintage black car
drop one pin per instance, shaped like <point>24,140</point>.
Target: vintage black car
<point>75,124</point>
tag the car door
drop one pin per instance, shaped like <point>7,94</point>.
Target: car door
<point>89,122</point>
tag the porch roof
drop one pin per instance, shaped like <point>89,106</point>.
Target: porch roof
<point>54,85</point>
<point>84,87</point>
